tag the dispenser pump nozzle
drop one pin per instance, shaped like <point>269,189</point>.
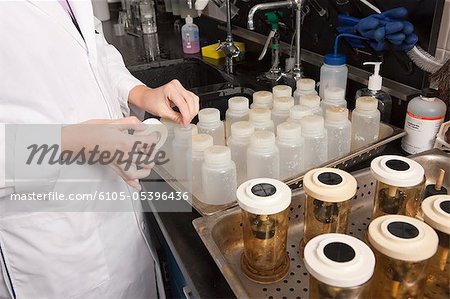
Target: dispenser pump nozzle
<point>375,81</point>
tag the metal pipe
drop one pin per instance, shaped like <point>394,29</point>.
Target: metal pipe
<point>228,9</point>
<point>266,6</point>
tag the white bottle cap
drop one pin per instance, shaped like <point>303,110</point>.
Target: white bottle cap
<point>436,212</point>
<point>375,81</point>
<point>242,129</point>
<point>239,104</point>
<point>155,126</point>
<point>310,100</point>
<point>281,91</point>
<point>283,103</point>
<point>189,19</point>
<point>209,115</point>
<point>312,125</point>
<point>367,103</point>
<point>297,112</point>
<point>259,115</point>
<point>264,140</point>
<point>200,142</point>
<point>403,238</point>
<point>289,132</point>
<point>263,196</point>
<point>217,155</point>
<point>397,171</point>
<point>185,133</point>
<point>336,114</point>
<point>306,84</point>
<point>334,93</point>
<point>330,184</point>
<point>339,260</point>
<point>262,99</point>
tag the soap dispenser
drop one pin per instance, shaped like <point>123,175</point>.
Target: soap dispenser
<point>374,90</point>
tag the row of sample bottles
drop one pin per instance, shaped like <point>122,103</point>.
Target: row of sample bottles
<point>405,257</point>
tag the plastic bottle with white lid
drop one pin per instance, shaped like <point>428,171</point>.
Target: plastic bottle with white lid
<point>297,112</point>
<point>424,116</point>
<point>218,176</point>
<point>237,111</point>
<point>334,97</point>
<point>190,37</point>
<point>365,122</point>
<point>167,147</point>
<point>333,73</point>
<point>280,111</point>
<point>304,87</point>
<point>261,119</point>
<point>281,91</point>
<point>315,146</point>
<point>312,101</point>
<point>339,130</point>
<point>262,99</point>
<point>181,144</point>
<point>263,157</point>
<point>200,143</point>
<point>290,145</point>
<point>238,142</point>
<point>209,123</point>
<point>374,90</point>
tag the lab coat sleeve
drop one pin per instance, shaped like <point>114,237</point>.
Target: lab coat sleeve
<point>120,77</point>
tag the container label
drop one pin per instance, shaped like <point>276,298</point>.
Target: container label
<point>421,132</point>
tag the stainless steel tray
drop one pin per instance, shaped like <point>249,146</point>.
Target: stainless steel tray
<point>222,234</point>
<point>388,134</point>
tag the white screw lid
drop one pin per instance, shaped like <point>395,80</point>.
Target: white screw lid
<point>299,111</point>
<point>310,100</point>
<point>242,129</point>
<point>263,196</point>
<point>209,115</point>
<point>339,260</point>
<point>259,115</point>
<point>306,84</point>
<point>367,103</point>
<point>262,139</point>
<point>403,238</point>
<point>312,125</point>
<point>330,184</point>
<point>397,171</point>
<point>200,142</point>
<point>262,99</point>
<point>283,103</point>
<point>281,91</point>
<point>336,114</point>
<point>436,212</point>
<point>238,104</point>
<point>334,93</point>
<point>217,155</point>
<point>289,131</point>
<point>185,133</point>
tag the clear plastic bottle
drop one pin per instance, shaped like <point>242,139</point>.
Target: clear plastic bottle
<point>263,158</point>
<point>365,122</point>
<point>190,37</point>
<point>339,130</point>
<point>218,176</point>
<point>200,143</point>
<point>312,101</point>
<point>315,148</point>
<point>304,87</point>
<point>180,145</point>
<point>281,91</point>
<point>237,111</point>
<point>290,145</point>
<point>334,97</point>
<point>261,119</point>
<point>167,147</point>
<point>238,142</point>
<point>424,116</point>
<point>333,73</point>
<point>297,112</point>
<point>280,111</point>
<point>262,99</point>
<point>209,123</point>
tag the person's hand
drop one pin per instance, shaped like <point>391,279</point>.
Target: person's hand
<point>161,101</point>
<point>112,136</point>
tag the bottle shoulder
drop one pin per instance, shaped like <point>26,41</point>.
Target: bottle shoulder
<point>422,107</point>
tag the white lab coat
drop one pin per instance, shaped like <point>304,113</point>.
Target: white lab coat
<point>50,75</point>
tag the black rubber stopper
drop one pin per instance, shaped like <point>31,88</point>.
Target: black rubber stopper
<point>264,189</point>
<point>398,165</point>
<point>330,178</point>
<point>429,93</point>
<point>403,230</point>
<point>430,190</point>
<point>445,206</point>
<point>339,252</point>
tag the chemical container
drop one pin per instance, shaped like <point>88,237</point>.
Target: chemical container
<point>339,130</point>
<point>365,122</point>
<point>238,142</point>
<point>237,111</point>
<point>209,123</point>
<point>290,145</point>
<point>263,157</point>
<point>261,119</point>
<point>315,149</point>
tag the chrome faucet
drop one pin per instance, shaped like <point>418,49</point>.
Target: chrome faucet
<point>228,46</point>
<point>297,72</point>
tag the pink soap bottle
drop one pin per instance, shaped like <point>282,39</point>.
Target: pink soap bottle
<point>189,35</point>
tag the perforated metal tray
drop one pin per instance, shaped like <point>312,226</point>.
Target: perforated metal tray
<point>222,234</point>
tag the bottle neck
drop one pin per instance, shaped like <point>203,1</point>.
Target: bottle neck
<point>240,139</point>
<point>210,124</point>
<point>290,140</point>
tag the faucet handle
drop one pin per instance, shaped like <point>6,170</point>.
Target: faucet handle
<point>266,45</point>
<point>220,46</point>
